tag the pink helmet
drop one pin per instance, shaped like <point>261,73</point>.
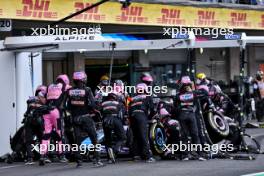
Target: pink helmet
<point>146,77</point>
<point>64,78</point>
<point>141,88</point>
<point>80,76</point>
<point>164,112</point>
<point>203,87</point>
<point>42,89</point>
<point>54,91</point>
<point>186,80</point>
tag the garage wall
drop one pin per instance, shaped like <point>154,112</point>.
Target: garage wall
<point>17,85</point>
<point>7,100</point>
<point>27,80</point>
<point>167,56</point>
<point>213,62</point>
<point>107,55</point>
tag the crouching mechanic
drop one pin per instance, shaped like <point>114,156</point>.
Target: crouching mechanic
<point>172,126</point>
<point>140,106</point>
<point>111,108</point>
<point>185,105</point>
<point>80,102</point>
<point>33,121</point>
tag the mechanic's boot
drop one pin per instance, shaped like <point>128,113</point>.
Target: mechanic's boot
<point>186,158</point>
<point>168,154</point>
<point>202,158</point>
<point>42,161</point>
<point>47,160</point>
<point>151,160</point>
<point>63,159</point>
<point>136,158</point>
<point>30,161</point>
<point>98,164</point>
<point>79,163</point>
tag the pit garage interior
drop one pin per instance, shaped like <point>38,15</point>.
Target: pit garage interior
<point>127,64</point>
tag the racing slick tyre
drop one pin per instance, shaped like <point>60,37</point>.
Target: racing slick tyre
<point>157,138</point>
<point>217,127</point>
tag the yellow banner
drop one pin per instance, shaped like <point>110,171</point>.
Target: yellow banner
<point>136,14</point>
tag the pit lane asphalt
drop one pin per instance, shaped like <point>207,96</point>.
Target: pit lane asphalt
<point>215,167</point>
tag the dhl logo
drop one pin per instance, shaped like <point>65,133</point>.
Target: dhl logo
<point>1,11</point>
<point>92,14</point>
<point>132,14</point>
<point>171,16</point>
<point>206,18</point>
<point>36,8</point>
<point>261,24</point>
<point>239,19</point>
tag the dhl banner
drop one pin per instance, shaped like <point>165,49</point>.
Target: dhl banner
<point>136,14</point>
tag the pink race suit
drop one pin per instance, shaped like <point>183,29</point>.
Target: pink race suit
<point>51,121</point>
<point>50,124</point>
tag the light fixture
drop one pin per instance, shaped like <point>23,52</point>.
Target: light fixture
<point>223,53</point>
<point>201,50</point>
<point>81,50</point>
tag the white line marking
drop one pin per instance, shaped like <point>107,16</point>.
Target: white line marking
<point>255,174</point>
<point>7,167</point>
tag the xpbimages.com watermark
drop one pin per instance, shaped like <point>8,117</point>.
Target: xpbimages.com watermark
<point>56,30</point>
<point>83,148</point>
<point>150,90</point>
<point>182,147</point>
<point>181,31</point>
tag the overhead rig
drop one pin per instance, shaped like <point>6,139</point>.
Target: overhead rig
<point>102,42</point>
